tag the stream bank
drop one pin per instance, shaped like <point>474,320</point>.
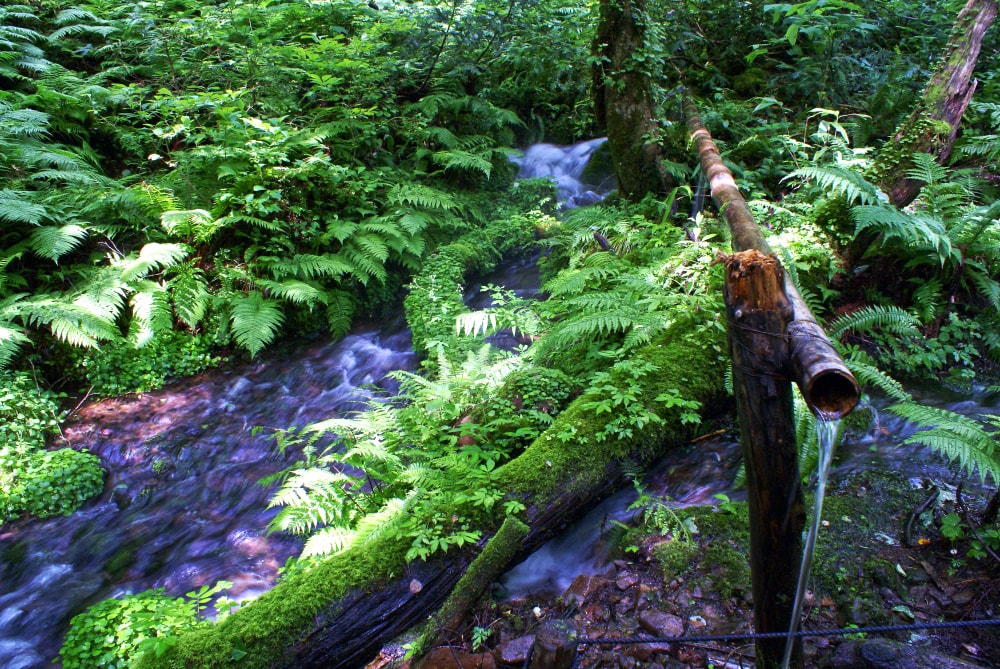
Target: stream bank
<point>685,571</point>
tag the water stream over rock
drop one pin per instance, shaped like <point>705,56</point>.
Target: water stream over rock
<point>182,506</point>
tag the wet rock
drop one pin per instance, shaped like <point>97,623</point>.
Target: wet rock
<point>661,624</point>
<point>626,662</point>
<point>885,654</point>
<point>963,596</point>
<point>455,658</point>
<point>626,581</point>
<point>644,651</point>
<point>583,589</point>
<point>514,651</point>
<point>597,613</point>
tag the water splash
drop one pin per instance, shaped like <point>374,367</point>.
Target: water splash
<point>565,165</point>
<point>826,437</point>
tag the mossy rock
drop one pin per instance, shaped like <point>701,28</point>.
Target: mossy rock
<point>600,170</point>
<point>750,82</point>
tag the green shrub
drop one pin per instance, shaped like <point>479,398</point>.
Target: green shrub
<point>28,416</point>
<point>56,482</point>
<point>110,634</point>
<point>33,480</point>
<point>120,368</point>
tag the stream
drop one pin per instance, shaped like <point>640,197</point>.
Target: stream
<point>182,506</point>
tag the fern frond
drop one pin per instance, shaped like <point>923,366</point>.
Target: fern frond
<point>849,184</point>
<point>874,317</point>
<point>421,196</point>
<point>329,541</point>
<point>12,338</point>
<point>19,207</point>
<point>152,257</point>
<point>189,292</point>
<point>954,436</point>
<point>870,376</point>
<point>292,290</point>
<point>53,243</point>
<point>151,313</point>
<point>255,321</point>
<point>463,160</point>
<point>307,266</point>
<point>926,168</point>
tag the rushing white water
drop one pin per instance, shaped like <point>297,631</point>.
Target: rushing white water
<point>826,437</point>
<point>565,166</point>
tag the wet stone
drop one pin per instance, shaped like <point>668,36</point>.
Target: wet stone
<point>626,581</point>
<point>583,588</point>
<point>661,624</point>
<point>514,651</point>
<point>455,658</point>
<point>963,597</point>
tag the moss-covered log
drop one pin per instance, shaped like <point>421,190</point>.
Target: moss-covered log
<point>624,102</point>
<point>341,612</point>
<point>933,125</point>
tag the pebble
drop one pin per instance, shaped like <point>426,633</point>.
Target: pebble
<point>626,581</point>
<point>514,651</point>
<point>661,624</point>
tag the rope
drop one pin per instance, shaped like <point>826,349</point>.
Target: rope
<point>750,636</point>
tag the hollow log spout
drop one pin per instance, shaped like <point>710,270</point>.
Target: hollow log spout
<point>828,387</point>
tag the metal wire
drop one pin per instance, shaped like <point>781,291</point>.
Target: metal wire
<point>840,631</point>
<point>750,636</point>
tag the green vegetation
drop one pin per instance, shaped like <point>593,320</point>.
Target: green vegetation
<point>184,184</point>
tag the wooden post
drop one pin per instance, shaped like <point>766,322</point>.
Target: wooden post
<point>757,312</point>
<point>555,646</point>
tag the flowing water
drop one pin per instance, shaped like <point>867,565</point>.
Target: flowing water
<point>182,506</point>
<point>826,438</point>
<point>565,166</point>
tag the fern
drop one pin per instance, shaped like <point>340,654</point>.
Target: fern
<point>916,231</point>
<point>19,207</point>
<point>189,293</point>
<point>956,437</point>
<point>421,196</point>
<point>255,321</point>
<point>152,257</point>
<point>53,243</point>
<point>874,317</point>
<point>847,183</point>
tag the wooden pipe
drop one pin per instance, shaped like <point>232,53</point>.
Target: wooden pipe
<point>829,388</point>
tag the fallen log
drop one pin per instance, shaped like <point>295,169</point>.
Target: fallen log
<point>340,613</point>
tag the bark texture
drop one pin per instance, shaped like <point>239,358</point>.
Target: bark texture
<point>933,126</point>
<point>623,101</point>
<point>757,312</point>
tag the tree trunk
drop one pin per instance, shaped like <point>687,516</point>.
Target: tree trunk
<point>341,612</point>
<point>933,125</point>
<point>623,101</point>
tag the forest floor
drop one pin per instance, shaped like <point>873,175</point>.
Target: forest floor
<point>687,573</point>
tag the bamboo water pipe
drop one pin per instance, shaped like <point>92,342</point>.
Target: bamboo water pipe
<point>827,385</point>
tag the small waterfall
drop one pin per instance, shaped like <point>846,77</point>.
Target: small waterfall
<point>826,436</point>
<point>565,166</point>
